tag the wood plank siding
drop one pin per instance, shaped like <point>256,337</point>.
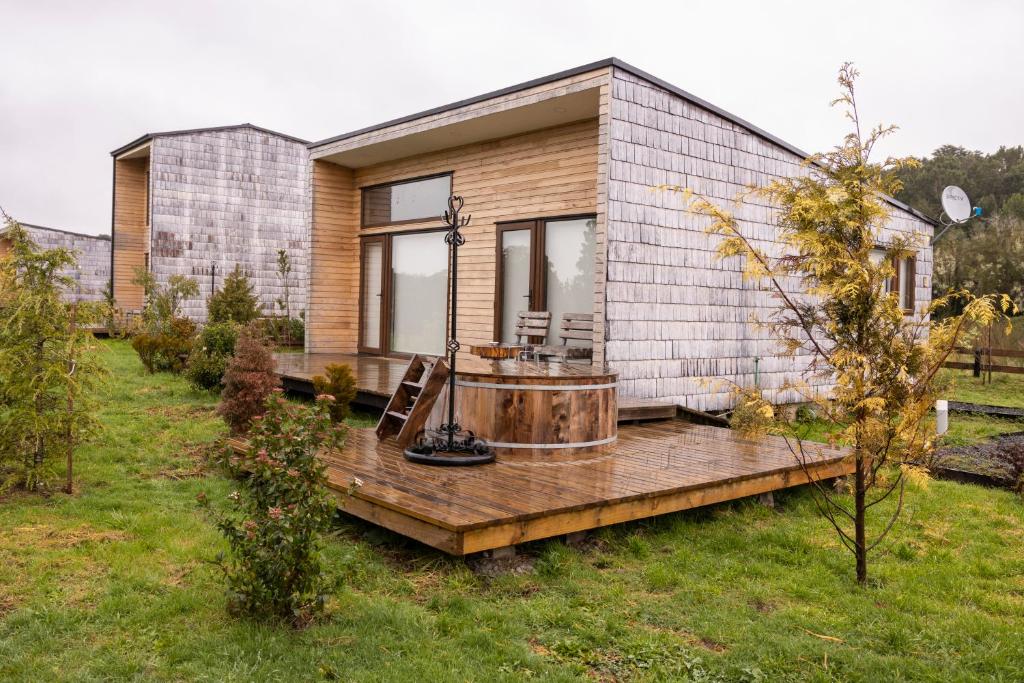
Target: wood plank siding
<point>542,174</point>
<point>131,234</point>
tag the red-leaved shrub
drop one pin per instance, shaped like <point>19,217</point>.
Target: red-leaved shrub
<point>248,380</point>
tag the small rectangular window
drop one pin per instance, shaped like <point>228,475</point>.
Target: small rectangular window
<point>902,281</point>
<point>406,201</point>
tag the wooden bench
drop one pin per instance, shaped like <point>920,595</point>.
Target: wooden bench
<point>578,326</point>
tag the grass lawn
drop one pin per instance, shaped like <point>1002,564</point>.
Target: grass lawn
<point>1005,389</point>
<point>115,583</point>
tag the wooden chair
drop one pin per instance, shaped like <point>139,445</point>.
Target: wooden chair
<point>532,327</point>
<point>579,326</point>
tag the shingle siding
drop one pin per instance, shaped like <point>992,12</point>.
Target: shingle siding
<point>679,319</point>
<point>92,272</point>
<point>229,197</point>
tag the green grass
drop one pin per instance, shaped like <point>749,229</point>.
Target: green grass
<point>114,583</point>
<point>1004,390</point>
<point>964,429</point>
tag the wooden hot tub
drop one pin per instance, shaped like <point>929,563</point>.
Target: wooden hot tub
<point>532,409</point>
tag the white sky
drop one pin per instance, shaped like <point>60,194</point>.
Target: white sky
<point>79,78</point>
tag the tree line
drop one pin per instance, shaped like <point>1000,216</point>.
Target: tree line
<point>983,255</point>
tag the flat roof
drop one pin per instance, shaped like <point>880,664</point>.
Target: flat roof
<point>593,66</point>
<point>149,136</point>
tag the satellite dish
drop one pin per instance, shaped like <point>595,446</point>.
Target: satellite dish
<point>955,204</point>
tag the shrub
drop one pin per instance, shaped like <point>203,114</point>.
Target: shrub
<point>235,301</point>
<point>166,351</point>
<point>210,354</point>
<point>163,303</point>
<point>248,380</point>
<point>278,513</point>
<point>339,383</point>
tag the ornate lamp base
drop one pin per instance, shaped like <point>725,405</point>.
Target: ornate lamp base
<point>434,448</point>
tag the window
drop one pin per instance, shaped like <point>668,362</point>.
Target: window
<point>406,201</point>
<point>544,265</point>
<point>404,293</point>
<point>902,281</point>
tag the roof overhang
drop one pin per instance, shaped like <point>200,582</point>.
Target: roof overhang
<point>137,152</point>
<point>419,133</point>
<point>559,110</point>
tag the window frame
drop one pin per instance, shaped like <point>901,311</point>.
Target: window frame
<point>911,261</point>
<point>387,293</point>
<point>405,181</point>
<point>538,274</point>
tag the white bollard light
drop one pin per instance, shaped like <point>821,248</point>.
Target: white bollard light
<point>941,417</point>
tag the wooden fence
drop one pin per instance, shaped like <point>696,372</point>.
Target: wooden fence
<point>983,360</point>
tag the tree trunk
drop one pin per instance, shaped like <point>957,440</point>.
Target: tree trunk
<point>860,496</point>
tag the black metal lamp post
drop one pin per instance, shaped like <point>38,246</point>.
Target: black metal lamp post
<point>450,444</point>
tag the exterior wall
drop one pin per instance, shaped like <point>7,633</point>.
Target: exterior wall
<point>93,253</point>
<point>679,319</point>
<point>131,234</point>
<point>227,197</point>
<point>542,174</point>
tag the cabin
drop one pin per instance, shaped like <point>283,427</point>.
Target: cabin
<point>199,202</point>
<point>91,274</point>
<point>557,174</point>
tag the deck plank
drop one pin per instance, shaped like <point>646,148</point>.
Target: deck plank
<point>653,468</point>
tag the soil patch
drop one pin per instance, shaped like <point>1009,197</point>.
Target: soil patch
<point>998,459</point>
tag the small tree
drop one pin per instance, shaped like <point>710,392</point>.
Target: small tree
<point>339,383</point>
<point>248,380</point>
<point>163,302</point>
<point>235,301</point>
<point>48,364</point>
<point>881,366</point>
<point>279,513</point>
<point>284,271</point>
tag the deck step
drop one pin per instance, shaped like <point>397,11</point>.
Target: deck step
<point>407,411</point>
<point>631,409</point>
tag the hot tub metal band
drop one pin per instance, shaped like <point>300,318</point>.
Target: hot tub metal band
<point>535,387</point>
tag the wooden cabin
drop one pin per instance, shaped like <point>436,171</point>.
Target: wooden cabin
<point>91,273</point>
<point>558,174</point>
<point>199,202</point>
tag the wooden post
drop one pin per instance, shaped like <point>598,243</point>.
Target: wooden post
<point>69,486</point>
<point>977,362</point>
<point>990,353</point>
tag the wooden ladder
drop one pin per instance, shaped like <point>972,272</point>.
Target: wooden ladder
<point>410,405</point>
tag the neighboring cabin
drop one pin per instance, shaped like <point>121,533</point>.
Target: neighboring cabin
<point>557,174</point>
<point>92,273</point>
<point>198,202</point>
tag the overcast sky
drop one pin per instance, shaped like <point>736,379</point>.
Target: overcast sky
<point>80,78</point>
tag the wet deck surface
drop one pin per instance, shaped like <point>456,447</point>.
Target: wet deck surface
<point>652,469</point>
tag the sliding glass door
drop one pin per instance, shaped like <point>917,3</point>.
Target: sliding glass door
<point>544,265</point>
<point>419,293</point>
<point>403,294</point>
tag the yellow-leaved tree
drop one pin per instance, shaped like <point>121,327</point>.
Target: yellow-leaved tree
<point>871,369</point>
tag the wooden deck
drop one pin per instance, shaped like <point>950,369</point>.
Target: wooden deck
<point>654,469</point>
<point>378,377</point>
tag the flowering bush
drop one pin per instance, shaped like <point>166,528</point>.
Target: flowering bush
<point>279,512</point>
